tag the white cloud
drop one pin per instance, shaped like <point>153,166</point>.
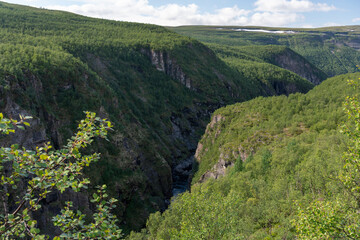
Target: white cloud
<point>265,13</point>
<point>356,20</point>
<point>291,6</point>
<point>168,15</point>
<point>175,14</point>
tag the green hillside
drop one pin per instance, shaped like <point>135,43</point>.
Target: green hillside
<point>277,150</point>
<point>265,65</point>
<point>333,50</point>
<point>156,86</point>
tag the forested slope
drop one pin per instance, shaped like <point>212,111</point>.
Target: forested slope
<point>265,65</point>
<point>276,151</point>
<point>277,55</point>
<point>334,50</point>
<point>156,86</point>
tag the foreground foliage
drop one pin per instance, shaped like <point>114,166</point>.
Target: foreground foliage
<point>46,170</point>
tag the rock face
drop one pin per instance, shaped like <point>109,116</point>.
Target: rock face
<point>165,63</point>
<point>217,171</point>
<point>27,138</point>
<point>38,133</point>
<point>354,43</point>
<point>299,65</point>
<point>185,131</point>
<point>182,176</point>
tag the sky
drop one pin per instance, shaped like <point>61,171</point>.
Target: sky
<point>273,13</point>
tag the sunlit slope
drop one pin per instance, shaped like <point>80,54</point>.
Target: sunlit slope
<point>277,150</point>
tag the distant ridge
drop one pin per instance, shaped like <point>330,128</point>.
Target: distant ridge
<point>333,50</point>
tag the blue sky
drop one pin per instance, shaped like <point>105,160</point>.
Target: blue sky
<point>275,13</point>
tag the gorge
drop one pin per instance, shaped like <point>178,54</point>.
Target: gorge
<point>169,94</point>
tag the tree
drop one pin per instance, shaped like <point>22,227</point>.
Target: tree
<point>239,166</point>
<point>339,217</point>
<point>46,170</point>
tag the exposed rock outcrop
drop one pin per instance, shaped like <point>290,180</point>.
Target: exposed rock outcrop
<point>33,136</point>
<point>225,161</point>
<point>185,129</point>
<point>29,138</point>
<point>354,43</point>
<point>165,63</point>
<point>292,61</point>
<point>217,170</point>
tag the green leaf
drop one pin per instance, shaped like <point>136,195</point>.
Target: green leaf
<point>21,127</point>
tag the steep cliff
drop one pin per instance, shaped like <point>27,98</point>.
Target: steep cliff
<point>280,56</point>
<point>164,63</point>
<point>294,62</point>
